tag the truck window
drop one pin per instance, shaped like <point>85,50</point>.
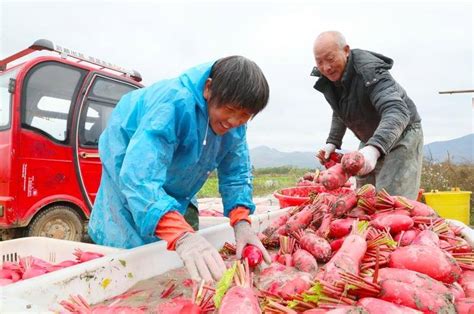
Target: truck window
<point>50,90</point>
<point>5,98</point>
<point>104,96</point>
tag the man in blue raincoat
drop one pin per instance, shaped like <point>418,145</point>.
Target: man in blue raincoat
<point>160,145</point>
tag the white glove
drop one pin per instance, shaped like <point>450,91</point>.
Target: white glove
<point>244,235</point>
<point>200,258</point>
<point>328,149</point>
<point>371,155</point>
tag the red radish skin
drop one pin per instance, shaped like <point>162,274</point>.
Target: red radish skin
<point>465,306</point>
<point>427,237</point>
<point>334,177</point>
<point>457,291</point>
<point>190,308</point>
<point>276,224</point>
<point>428,260</point>
<point>344,203</point>
<point>253,255</point>
<point>390,212</point>
<point>82,256</point>
<point>395,222</point>
<point>316,245</point>
<point>239,300</point>
<point>414,297</point>
<point>421,209</point>
<point>336,244</point>
<point>340,227</point>
<point>467,283</point>
<point>405,238</point>
<point>305,261</point>
<point>346,259</point>
<point>346,309</point>
<point>283,281</point>
<point>352,162</point>
<point>377,306</point>
<point>300,220</point>
<point>413,278</point>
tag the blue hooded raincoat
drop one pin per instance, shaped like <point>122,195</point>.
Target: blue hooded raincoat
<point>157,151</point>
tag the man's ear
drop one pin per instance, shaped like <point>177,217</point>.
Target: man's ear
<point>207,89</point>
<point>347,50</point>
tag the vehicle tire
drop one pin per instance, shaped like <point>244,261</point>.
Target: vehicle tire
<point>59,222</point>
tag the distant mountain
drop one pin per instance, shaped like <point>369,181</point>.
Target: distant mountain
<point>263,157</point>
<point>459,149</point>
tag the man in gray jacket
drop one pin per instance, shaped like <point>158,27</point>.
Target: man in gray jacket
<point>366,99</point>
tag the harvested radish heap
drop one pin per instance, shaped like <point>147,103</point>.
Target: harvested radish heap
<point>378,253</point>
<point>30,266</point>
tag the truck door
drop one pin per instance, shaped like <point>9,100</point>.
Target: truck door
<point>102,94</point>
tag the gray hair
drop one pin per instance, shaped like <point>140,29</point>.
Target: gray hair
<point>338,37</point>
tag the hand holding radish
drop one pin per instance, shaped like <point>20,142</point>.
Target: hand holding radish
<point>244,235</point>
<point>371,155</point>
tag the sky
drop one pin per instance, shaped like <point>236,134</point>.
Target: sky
<point>431,43</point>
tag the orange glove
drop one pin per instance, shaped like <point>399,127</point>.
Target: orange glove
<point>171,227</point>
<point>239,213</point>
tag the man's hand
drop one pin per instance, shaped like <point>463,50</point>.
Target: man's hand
<point>371,155</point>
<point>326,151</point>
<point>244,235</point>
<point>200,258</point>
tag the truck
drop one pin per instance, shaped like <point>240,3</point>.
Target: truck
<point>54,104</point>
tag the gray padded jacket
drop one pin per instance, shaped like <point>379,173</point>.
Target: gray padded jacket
<point>368,101</point>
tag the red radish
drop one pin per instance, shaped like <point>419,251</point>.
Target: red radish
<point>336,244</point>
<point>323,230</point>
<point>346,309</point>
<point>283,281</point>
<point>420,209</point>
<point>305,261</point>
<point>252,254</point>
<point>334,177</point>
<point>405,238</point>
<point>12,275</point>
<point>389,212</point>
<point>82,256</point>
<point>348,257</point>
<point>413,278</point>
<point>301,219</point>
<point>465,306</point>
<point>428,260</point>
<point>277,223</point>
<point>340,227</point>
<point>461,245</point>
<point>5,281</point>
<point>467,282</point>
<point>427,237</point>
<point>417,298</point>
<point>352,162</point>
<point>316,245</point>
<point>394,222</point>
<point>457,291</point>
<point>367,190</point>
<point>378,306</point>
<point>344,203</point>
<point>358,212</point>
<point>287,246</point>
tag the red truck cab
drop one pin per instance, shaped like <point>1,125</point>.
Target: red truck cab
<point>53,109</point>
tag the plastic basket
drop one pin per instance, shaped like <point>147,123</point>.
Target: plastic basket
<point>296,196</point>
<point>450,204</point>
<point>48,249</point>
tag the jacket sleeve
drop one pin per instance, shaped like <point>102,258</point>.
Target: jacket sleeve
<point>338,129</point>
<point>386,96</point>
<point>235,179</point>
<point>144,169</point>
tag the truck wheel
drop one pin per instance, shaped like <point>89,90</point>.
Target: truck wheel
<point>59,222</point>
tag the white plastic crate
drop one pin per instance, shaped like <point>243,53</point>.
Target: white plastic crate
<point>119,270</point>
<point>48,249</point>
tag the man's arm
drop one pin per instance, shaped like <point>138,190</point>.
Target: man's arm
<point>395,115</point>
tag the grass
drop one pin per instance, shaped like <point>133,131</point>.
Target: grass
<point>265,182</point>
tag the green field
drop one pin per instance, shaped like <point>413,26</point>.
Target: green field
<point>265,182</point>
